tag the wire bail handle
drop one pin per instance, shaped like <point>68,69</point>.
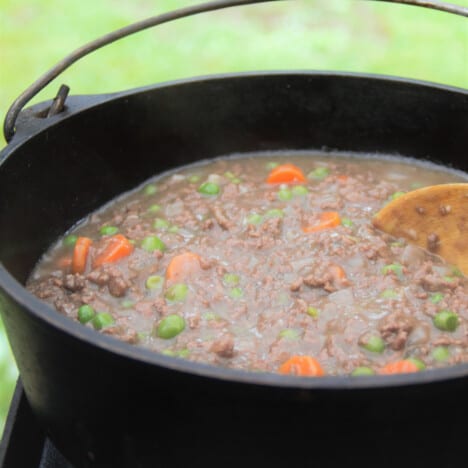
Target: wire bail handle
<point>54,72</point>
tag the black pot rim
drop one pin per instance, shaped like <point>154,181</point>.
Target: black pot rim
<point>89,101</point>
<point>102,343</point>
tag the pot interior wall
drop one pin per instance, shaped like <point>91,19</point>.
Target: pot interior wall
<point>55,178</point>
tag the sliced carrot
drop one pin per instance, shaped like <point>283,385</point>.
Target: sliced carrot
<point>116,247</point>
<point>182,265</point>
<point>342,178</point>
<point>286,173</point>
<point>80,254</point>
<point>305,366</point>
<point>337,272</point>
<point>399,367</point>
<point>328,219</point>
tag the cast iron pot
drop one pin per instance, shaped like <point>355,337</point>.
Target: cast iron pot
<point>107,403</point>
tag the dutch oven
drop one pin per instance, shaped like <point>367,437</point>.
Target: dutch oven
<point>106,403</point>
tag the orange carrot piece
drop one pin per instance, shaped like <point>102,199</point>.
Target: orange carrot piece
<point>182,265</point>
<point>286,173</point>
<point>80,254</point>
<point>342,178</point>
<point>328,219</point>
<point>116,247</point>
<point>337,272</point>
<point>399,367</point>
<point>305,366</point>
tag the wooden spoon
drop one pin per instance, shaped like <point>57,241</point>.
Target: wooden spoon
<point>434,217</point>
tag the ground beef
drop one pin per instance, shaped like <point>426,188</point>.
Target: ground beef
<point>118,286</point>
<point>395,329</point>
<point>160,306</point>
<point>124,334</point>
<point>431,281</point>
<point>74,282</point>
<point>223,346</point>
<point>221,218</point>
<point>99,277</point>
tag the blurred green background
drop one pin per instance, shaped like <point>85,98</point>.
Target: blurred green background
<point>345,35</point>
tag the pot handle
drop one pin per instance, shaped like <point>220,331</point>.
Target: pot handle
<point>59,101</point>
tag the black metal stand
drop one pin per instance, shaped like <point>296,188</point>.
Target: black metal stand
<point>24,444</point>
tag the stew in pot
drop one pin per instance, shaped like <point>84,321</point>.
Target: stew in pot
<point>265,262</point>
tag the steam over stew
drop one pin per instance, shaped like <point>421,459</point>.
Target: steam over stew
<point>265,263</point>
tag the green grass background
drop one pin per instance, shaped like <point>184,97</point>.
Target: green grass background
<point>345,35</point>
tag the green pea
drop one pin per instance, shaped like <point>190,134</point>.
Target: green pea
<point>127,304</point>
<point>154,208</point>
<point>362,371</point>
<point>396,195</point>
<point>209,188</point>
<point>393,267</point>
<point>177,292</point>
<point>154,282</point>
<point>299,190</point>
<point>274,213</point>
<point>374,344</point>
<point>313,312</point>
<point>236,180</point>
<point>271,165</point>
<point>230,175</point>
<point>160,223</point>
<point>208,316</point>
<point>102,320</point>
<point>193,179</point>
<point>69,241</point>
<point>183,353</point>
<point>285,194</point>
<point>290,334</point>
<point>254,218</point>
<point>150,189</point>
<point>173,229</point>
<point>85,313</point>
<point>319,173</point>
<point>141,336</point>
<point>397,244</point>
<point>436,297</point>
<point>417,362</point>
<point>170,326</point>
<point>441,353</point>
<point>456,272</point>
<point>152,243</point>
<point>346,222</point>
<point>236,293</point>
<point>389,294</point>
<point>231,279</point>
<point>446,320</point>
<point>108,230</point>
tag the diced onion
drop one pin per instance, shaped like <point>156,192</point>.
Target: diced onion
<point>342,297</point>
<point>412,255</point>
<point>215,179</point>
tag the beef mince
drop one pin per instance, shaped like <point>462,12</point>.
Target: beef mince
<point>265,263</point>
